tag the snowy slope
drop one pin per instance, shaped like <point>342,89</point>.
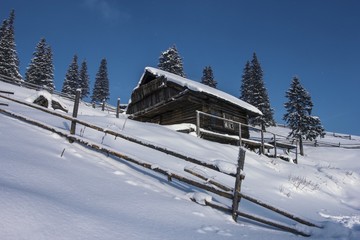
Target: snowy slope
<point>51,189</point>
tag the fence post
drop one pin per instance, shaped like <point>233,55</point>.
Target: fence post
<point>103,105</point>
<point>240,138</point>
<point>198,123</point>
<point>262,149</point>
<point>239,178</point>
<point>75,110</point>
<point>118,108</point>
<point>296,151</point>
<point>275,145</point>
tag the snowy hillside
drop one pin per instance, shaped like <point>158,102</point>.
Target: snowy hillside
<point>53,189</point>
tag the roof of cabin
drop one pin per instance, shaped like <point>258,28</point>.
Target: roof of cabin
<point>198,87</point>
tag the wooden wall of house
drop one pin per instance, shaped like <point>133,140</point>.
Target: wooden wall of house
<point>183,109</point>
<point>150,94</point>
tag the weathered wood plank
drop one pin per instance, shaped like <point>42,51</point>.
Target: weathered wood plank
<point>116,134</point>
<point>219,185</point>
<point>259,219</point>
<point>119,155</point>
<point>6,92</point>
<point>279,211</point>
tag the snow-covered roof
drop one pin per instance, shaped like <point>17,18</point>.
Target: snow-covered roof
<point>199,87</point>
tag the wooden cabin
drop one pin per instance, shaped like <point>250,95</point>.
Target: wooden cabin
<point>165,98</point>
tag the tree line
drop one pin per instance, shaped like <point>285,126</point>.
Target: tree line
<point>298,108</point>
<point>40,70</point>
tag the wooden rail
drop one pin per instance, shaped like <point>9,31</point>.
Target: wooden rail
<point>259,219</point>
<point>6,92</point>
<point>109,151</point>
<point>234,194</point>
<point>116,134</point>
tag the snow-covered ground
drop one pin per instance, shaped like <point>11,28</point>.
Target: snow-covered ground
<point>52,189</point>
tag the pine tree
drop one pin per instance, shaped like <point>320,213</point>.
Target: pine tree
<point>298,114</point>
<point>101,85</point>
<point>254,92</point>
<point>208,77</point>
<point>171,61</point>
<point>71,81</point>
<point>9,60</point>
<point>84,80</point>
<point>41,70</point>
<point>245,89</point>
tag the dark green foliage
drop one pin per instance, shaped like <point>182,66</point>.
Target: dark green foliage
<point>298,113</point>
<point>208,77</point>
<point>245,93</point>
<point>71,81</point>
<point>101,86</point>
<point>41,70</point>
<point>84,80</point>
<point>254,92</point>
<point>9,61</point>
<point>171,61</point>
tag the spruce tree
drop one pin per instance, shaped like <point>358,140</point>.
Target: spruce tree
<point>41,70</point>
<point>254,92</point>
<point>84,80</point>
<point>246,89</point>
<point>71,81</point>
<point>298,114</point>
<point>208,77</point>
<point>171,61</point>
<point>9,60</point>
<point>101,85</point>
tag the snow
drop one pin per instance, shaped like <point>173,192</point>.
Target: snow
<point>199,87</point>
<point>52,189</point>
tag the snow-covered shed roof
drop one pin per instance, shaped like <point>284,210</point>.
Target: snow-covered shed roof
<point>199,87</point>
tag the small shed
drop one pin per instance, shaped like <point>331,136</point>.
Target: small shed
<point>165,98</point>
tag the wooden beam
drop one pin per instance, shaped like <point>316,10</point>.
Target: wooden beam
<point>219,185</point>
<point>6,92</point>
<point>119,155</point>
<point>116,134</point>
<point>259,219</point>
<point>279,211</point>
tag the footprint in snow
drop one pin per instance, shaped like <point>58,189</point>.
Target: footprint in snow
<point>119,173</point>
<point>213,229</point>
<point>198,214</point>
<point>131,183</point>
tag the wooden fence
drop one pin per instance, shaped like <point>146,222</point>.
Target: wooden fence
<point>234,194</point>
<point>261,144</point>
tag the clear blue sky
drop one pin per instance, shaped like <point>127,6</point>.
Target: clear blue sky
<point>317,40</point>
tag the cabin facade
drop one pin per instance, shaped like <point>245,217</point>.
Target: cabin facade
<point>166,98</point>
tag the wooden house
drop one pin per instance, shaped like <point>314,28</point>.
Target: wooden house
<point>165,98</point>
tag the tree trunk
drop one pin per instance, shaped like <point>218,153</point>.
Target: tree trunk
<point>301,146</point>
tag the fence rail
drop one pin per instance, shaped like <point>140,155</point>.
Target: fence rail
<point>104,106</point>
<point>234,195</point>
<point>262,142</point>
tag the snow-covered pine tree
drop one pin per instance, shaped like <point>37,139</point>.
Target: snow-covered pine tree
<point>9,60</point>
<point>259,96</point>
<point>49,70</point>
<point>84,80</point>
<point>101,85</point>
<point>41,70</point>
<point>208,77</point>
<point>171,61</point>
<point>4,68</point>
<point>298,114</point>
<point>246,89</point>
<point>71,81</point>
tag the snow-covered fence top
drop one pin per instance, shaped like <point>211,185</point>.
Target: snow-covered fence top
<point>199,87</point>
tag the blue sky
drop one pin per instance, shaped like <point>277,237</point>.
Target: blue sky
<point>316,40</point>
